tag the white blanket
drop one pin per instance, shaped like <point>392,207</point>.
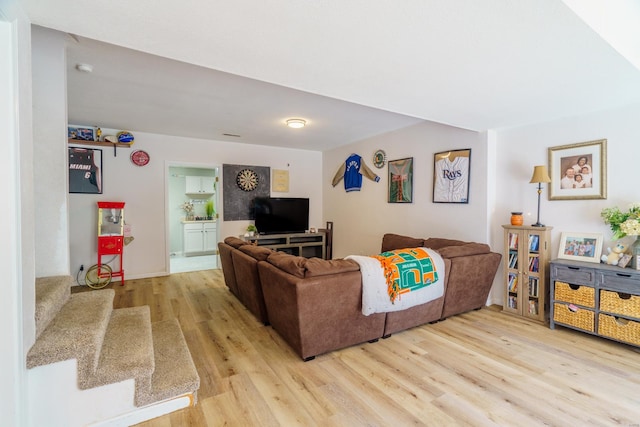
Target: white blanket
<point>375,297</point>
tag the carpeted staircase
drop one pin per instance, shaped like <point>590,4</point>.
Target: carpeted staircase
<point>111,345</point>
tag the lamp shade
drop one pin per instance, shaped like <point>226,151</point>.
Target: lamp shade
<point>540,174</point>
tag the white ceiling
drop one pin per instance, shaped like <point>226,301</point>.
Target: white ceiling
<point>352,68</point>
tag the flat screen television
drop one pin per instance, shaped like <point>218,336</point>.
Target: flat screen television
<point>275,215</point>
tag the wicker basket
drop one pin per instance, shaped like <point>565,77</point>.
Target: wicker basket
<point>619,329</point>
<point>581,318</point>
<point>581,295</point>
<point>619,303</point>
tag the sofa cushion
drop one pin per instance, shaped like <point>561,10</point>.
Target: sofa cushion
<point>234,242</point>
<point>260,253</point>
<point>391,242</point>
<point>291,264</point>
<point>437,243</point>
<point>321,267</point>
<point>463,250</point>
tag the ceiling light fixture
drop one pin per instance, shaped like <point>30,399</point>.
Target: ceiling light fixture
<point>85,68</point>
<point>296,123</point>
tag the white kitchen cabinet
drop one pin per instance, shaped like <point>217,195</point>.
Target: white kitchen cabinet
<point>200,184</point>
<point>210,240</point>
<point>199,236</point>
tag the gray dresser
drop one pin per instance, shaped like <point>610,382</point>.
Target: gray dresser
<point>599,299</point>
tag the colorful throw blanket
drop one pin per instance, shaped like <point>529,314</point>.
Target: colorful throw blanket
<point>397,280</point>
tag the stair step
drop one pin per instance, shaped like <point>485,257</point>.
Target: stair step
<point>174,374</point>
<point>51,294</point>
<point>76,332</point>
<point>127,349</point>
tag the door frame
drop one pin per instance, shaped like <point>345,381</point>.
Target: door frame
<point>167,176</point>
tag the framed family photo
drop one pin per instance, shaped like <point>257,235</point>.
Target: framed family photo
<point>578,171</point>
<point>451,176</point>
<point>580,246</point>
<point>400,181</point>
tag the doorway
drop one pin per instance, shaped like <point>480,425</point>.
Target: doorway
<point>192,194</point>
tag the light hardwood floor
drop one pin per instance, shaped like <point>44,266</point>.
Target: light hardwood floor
<point>483,368</point>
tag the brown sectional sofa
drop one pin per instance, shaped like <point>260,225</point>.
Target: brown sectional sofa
<point>240,268</point>
<point>315,305</point>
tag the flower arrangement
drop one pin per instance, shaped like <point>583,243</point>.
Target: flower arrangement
<point>623,223</point>
<point>188,208</point>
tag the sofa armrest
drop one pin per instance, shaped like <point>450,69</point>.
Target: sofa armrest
<point>226,262</point>
<point>250,294</point>
<point>469,282</point>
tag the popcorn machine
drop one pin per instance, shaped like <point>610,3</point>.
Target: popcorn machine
<point>110,238</point>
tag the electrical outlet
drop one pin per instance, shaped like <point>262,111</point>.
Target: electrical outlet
<point>82,267</point>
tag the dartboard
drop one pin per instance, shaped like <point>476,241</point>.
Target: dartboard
<point>247,180</point>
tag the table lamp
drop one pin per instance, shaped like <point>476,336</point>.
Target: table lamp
<point>540,175</point>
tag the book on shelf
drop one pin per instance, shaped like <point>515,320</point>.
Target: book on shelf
<point>534,243</point>
<point>513,302</point>
<point>533,307</point>
<point>513,241</point>
<point>533,287</point>
<point>513,260</point>
<point>534,264</point>
<point>513,282</point>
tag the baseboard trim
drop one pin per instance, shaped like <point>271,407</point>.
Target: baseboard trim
<point>149,412</point>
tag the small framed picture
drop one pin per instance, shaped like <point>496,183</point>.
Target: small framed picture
<point>624,260</point>
<point>400,181</point>
<point>578,171</point>
<point>580,246</point>
<point>451,176</point>
<point>81,133</point>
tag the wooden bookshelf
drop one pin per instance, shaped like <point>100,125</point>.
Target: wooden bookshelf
<point>525,271</point>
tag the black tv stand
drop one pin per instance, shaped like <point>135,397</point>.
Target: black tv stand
<point>307,245</point>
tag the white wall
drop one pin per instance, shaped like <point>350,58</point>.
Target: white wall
<point>143,191</point>
<point>17,325</point>
<point>361,218</point>
<point>49,134</point>
<point>522,148</point>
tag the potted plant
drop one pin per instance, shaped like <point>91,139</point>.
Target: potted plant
<point>209,209</point>
<point>251,229</point>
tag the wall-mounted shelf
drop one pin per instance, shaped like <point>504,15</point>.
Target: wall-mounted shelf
<point>100,143</point>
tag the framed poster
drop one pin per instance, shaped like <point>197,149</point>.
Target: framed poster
<point>85,170</point>
<point>401,181</point>
<point>578,171</point>
<point>451,176</point>
<point>280,180</point>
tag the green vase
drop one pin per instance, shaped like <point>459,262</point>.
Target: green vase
<point>635,254</point>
